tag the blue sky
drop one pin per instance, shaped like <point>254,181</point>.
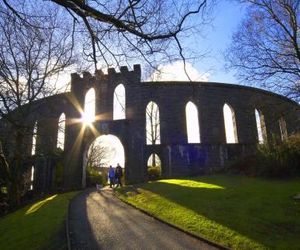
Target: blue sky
<point>227,15</point>
<point>212,40</point>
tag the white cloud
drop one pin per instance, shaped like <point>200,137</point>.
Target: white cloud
<point>175,72</point>
<point>61,82</point>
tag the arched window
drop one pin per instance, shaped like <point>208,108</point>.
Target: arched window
<point>61,132</point>
<point>152,124</point>
<point>192,123</point>
<point>153,161</point>
<point>283,130</point>
<point>89,107</point>
<point>261,127</point>
<point>31,178</point>
<point>230,124</point>
<point>34,137</point>
<point>119,111</point>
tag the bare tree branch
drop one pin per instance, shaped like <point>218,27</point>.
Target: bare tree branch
<point>29,57</point>
<point>265,48</point>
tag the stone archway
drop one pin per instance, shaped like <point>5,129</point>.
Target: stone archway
<point>103,151</point>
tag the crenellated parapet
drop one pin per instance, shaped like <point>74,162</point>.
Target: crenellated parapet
<point>81,82</point>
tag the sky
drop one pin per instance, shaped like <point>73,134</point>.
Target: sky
<point>213,41</point>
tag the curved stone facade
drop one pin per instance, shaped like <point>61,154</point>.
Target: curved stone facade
<point>178,157</point>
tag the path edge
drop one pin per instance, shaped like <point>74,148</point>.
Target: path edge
<point>67,222</point>
<point>213,243</point>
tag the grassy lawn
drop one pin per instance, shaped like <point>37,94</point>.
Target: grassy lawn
<point>37,226</point>
<point>237,212</point>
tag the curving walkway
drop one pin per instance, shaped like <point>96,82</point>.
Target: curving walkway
<point>98,220</point>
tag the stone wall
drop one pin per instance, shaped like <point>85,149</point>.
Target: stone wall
<point>178,157</point>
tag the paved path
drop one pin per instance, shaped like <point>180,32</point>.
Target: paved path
<point>98,220</point>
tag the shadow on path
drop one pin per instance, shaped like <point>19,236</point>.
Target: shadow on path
<point>98,220</point>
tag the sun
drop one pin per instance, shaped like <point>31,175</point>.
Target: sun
<point>87,118</point>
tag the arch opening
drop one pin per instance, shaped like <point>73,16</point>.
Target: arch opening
<point>119,108</point>
<point>34,139</point>
<point>61,132</point>
<point>89,113</point>
<point>261,127</point>
<point>192,123</point>
<point>104,151</point>
<point>230,124</point>
<point>31,178</point>
<point>154,167</point>
<point>152,124</point>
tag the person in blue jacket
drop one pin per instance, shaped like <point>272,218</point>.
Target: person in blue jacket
<point>111,176</point>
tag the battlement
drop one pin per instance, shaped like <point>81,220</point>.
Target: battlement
<point>111,72</point>
<point>80,82</point>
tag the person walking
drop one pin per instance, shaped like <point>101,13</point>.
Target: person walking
<point>118,175</point>
<point>111,176</point>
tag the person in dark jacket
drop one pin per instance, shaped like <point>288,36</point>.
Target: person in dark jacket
<point>118,175</point>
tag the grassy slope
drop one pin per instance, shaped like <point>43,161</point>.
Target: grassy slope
<point>36,226</point>
<point>238,212</point>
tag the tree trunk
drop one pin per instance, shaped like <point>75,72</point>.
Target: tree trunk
<point>4,165</point>
<point>153,160</point>
<point>16,176</point>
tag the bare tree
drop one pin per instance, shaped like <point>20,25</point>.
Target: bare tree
<point>152,127</point>
<point>61,132</point>
<point>29,57</point>
<point>31,53</point>
<point>97,154</point>
<point>120,31</point>
<point>152,124</point>
<point>265,48</point>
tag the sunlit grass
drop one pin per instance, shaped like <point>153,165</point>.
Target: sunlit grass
<point>238,212</point>
<point>37,226</point>
<point>190,183</point>
<point>39,204</point>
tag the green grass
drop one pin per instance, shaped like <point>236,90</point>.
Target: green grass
<point>37,226</point>
<point>237,212</point>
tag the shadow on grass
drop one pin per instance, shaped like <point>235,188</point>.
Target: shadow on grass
<point>257,209</point>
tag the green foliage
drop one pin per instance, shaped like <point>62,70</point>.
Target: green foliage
<point>273,159</point>
<point>236,211</point>
<point>37,226</point>
<point>280,160</point>
<point>4,206</point>
<point>94,176</point>
<point>3,190</point>
<point>154,173</point>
